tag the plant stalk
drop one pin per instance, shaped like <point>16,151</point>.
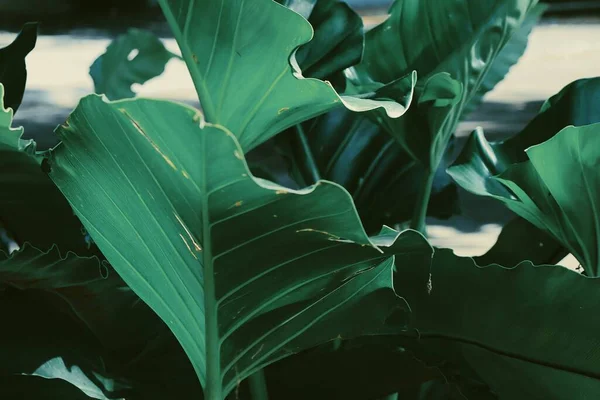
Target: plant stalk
<point>418,220</point>
<point>258,386</point>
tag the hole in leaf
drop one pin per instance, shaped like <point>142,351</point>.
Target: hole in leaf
<point>132,54</point>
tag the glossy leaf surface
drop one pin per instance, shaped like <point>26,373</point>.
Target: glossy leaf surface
<point>134,57</point>
<point>243,271</point>
<point>240,58</point>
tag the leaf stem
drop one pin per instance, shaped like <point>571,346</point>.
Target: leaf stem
<point>418,220</point>
<point>309,161</point>
<point>214,385</point>
<point>258,386</point>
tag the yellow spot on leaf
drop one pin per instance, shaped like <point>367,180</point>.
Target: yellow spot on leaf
<point>189,234</point>
<point>145,135</point>
<point>282,110</point>
<point>238,155</point>
<point>331,236</point>
<point>281,192</point>
<point>185,174</point>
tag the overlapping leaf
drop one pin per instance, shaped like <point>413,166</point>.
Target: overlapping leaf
<point>419,35</point>
<point>243,271</point>
<point>38,340</point>
<point>337,44</point>
<point>525,330</point>
<point>507,58</point>
<point>134,57</point>
<point>31,207</point>
<point>354,152</point>
<point>526,186</point>
<point>239,55</point>
<point>133,341</point>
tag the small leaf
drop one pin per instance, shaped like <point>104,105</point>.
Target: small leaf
<point>134,57</point>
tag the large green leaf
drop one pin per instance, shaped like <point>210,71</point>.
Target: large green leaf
<point>422,37</point>
<point>244,271</point>
<point>239,54</point>
<point>507,58</point>
<point>31,207</point>
<point>13,73</point>
<point>461,37</point>
<point>526,188</point>
<point>525,330</point>
<point>134,57</point>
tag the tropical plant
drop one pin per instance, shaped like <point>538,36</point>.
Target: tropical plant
<point>247,249</point>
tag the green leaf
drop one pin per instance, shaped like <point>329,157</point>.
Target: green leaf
<point>364,368</point>
<point>31,207</point>
<point>134,57</point>
<point>245,272</point>
<point>26,387</point>
<point>13,73</point>
<point>139,345</point>
<point>423,38</point>
<point>337,44</point>
<point>428,127</point>
<point>352,151</point>
<point>508,56</point>
<point>226,47</point>
<point>51,344</point>
<point>302,7</point>
<point>525,330</point>
<point>526,188</point>
<point>520,240</point>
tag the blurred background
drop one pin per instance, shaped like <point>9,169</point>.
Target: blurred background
<point>565,46</point>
